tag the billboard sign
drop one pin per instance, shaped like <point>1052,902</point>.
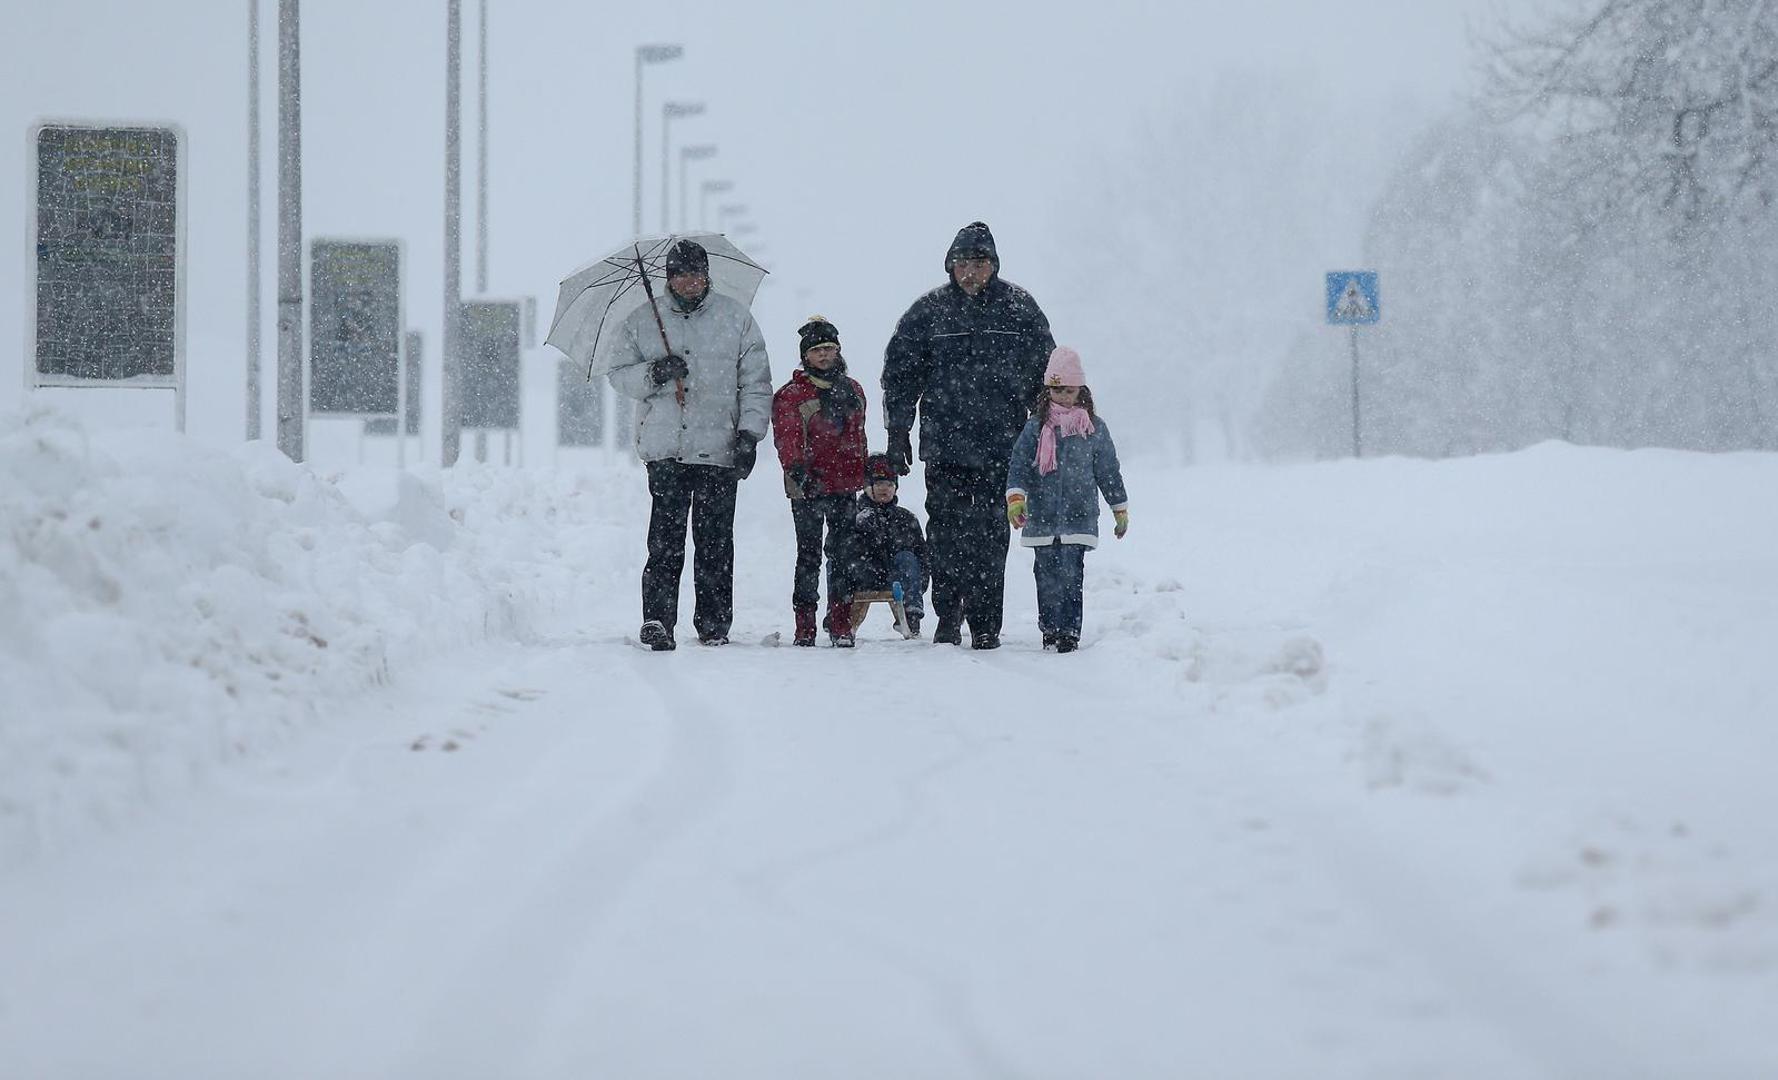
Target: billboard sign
<point>108,256</point>
<point>580,406</point>
<point>491,363</point>
<point>355,327</point>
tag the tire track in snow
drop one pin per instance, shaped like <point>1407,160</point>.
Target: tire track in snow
<point>581,877</point>
<point>949,998</point>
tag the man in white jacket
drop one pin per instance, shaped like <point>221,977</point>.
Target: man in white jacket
<point>703,400</point>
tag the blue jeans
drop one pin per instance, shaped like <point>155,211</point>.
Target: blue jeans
<point>907,575</point>
<point>1061,575</point>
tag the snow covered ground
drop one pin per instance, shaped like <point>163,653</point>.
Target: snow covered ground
<point>1380,769</point>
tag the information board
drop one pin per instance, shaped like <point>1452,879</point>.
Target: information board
<point>355,326</point>
<point>109,255</point>
<point>580,406</point>
<point>491,353</point>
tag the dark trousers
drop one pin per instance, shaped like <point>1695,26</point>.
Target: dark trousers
<point>812,516</point>
<point>1061,576</point>
<point>706,495</point>
<point>967,538</point>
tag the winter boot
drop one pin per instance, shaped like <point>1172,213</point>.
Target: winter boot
<point>805,625</point>
<point>839,620</point>
<point>913,623</point>
<point>842,641</point>
<point>984,639</point>
<point>1066,642</point>
<point>949,632</point>
<point>656,636</point>
<point>1049,639</point>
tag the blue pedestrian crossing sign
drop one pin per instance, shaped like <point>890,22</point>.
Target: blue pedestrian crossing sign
<point>1352,298</point>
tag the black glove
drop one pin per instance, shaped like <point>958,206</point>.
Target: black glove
<point>901,451</point>
<point>803,481</point>
<point>668,368</point>
<point>746,453</point>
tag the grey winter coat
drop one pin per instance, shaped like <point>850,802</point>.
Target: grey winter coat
<point>728,389</point>
<point>1064,505</point>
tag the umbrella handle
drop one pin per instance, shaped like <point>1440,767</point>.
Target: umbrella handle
<point>648,287</point>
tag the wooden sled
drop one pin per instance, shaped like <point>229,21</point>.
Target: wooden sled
<point>861,602</point>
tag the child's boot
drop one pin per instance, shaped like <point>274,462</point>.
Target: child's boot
<point>839,623</point>
<point>805,625</point>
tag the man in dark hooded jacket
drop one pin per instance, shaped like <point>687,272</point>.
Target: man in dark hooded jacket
<point>969,357</point>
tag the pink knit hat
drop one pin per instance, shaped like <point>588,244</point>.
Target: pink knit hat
<point>1064,368</point>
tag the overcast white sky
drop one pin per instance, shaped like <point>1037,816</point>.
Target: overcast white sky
<point>862,136</point>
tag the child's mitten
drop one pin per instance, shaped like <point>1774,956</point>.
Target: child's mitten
<point>1015,509</point>
<point>1122,517</point>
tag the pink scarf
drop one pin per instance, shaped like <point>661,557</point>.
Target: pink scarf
<point>1067,420</point>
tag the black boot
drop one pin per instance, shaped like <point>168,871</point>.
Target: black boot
<point>985,639</point>
<point>949,632</point>
<point>656,636</point>
<point>1066,642</point>
<point>1049,639</point>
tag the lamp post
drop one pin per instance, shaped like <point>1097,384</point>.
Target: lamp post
<point>253,219</point>
<point>450,355</point>
<point>701,152</point>
<point>646,54</point>
<point>707,189</point>
<point>291,404</point>
<point>481,158</point>
<point>671,111</point>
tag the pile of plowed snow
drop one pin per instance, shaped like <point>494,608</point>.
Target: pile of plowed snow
<point>165,607</point>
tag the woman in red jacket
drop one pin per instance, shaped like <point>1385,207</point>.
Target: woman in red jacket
<point>818,426</point>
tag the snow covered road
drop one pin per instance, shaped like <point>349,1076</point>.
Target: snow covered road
<point>1279,818</point>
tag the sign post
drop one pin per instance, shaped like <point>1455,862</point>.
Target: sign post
<point>1353,301</point>
<point>108,244</point>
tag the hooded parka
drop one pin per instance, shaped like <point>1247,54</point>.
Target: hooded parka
<point>970,364</point>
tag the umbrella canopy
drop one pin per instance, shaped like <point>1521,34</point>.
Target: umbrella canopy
<point>601,294</point>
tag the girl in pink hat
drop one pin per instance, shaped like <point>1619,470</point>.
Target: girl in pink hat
<point>1062,463</point>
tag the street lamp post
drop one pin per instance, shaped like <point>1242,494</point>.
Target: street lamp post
<point>253,186</point>
<point>450,357</point>
<point>707,189</point>
<point>671,111</point>
<point>646,54</point>
<point>481,157</point>
<point>291,406</point>
<point>700,152</point>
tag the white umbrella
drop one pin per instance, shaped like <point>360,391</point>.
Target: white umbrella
<point>602,293</point>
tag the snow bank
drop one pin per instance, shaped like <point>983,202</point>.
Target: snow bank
<point>166,607</point>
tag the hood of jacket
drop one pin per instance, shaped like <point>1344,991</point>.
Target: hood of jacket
<point>972,239</point>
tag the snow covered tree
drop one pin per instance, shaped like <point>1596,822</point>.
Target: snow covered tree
<point>1663,108</point>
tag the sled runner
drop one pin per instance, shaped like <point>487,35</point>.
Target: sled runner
<point>862,601</point>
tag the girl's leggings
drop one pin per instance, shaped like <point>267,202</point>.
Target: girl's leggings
<point>1061,574</point>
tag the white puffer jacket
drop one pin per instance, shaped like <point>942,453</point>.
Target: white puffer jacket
<point>728,389</point>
